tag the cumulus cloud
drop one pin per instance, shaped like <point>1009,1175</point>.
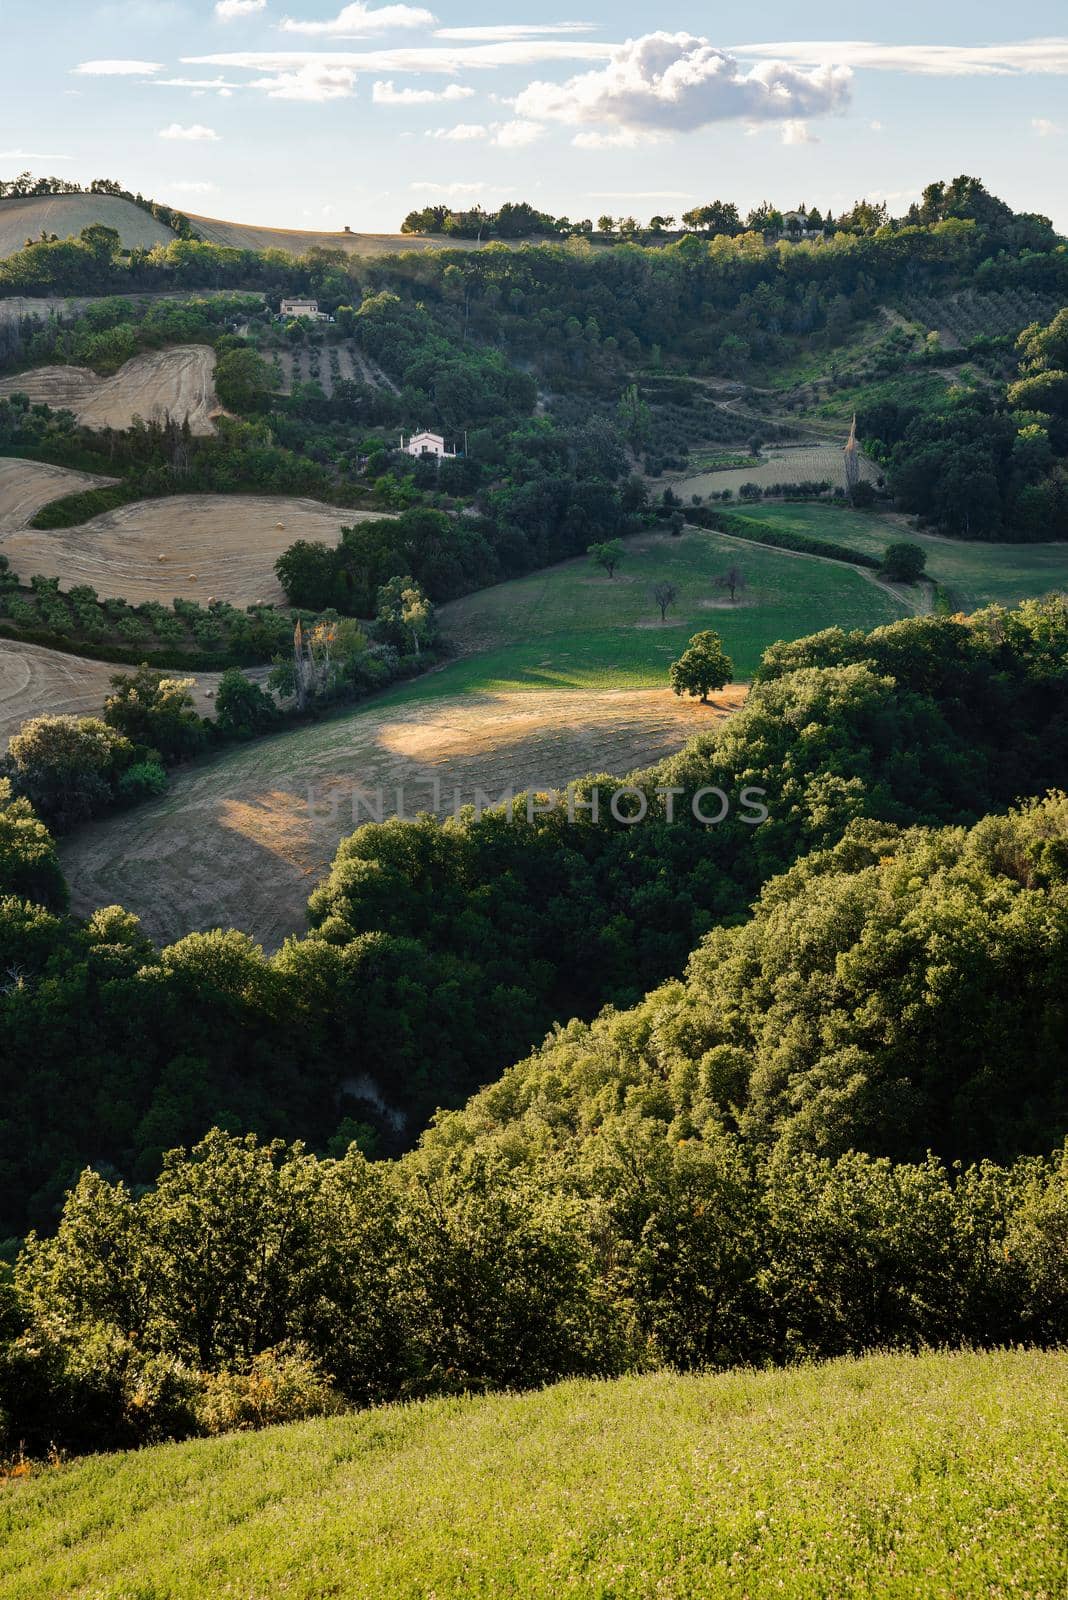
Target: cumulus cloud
<point>462,133</point>
<point>676,82</point>
<point>940,60</point>
<point>617,139</point>
<point>386,94</point>
<point>196,133</point>
<point>508,135</point>
<point>202,84</point>
<point>314,82</point>
<point>356,21</point>
<point>117,69</point>
<point>516,135</point>
<point>1045,128</point>
<point>230,10</point>
<point>797,132</point>
<point>188,186</point>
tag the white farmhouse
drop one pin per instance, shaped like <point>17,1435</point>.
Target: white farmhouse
<point>427,444</point>
<point>303,308</point>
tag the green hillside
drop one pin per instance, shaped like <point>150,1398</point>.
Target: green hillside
<point>973,573</point>
<point>571,626</point>
<point>942,1476</point>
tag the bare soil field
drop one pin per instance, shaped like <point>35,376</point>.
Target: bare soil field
<point>34,682</point>
<point>242,840</point>
<point>26,486</point>
<point>27,217</point>
<point>213,546</point>
<point>179,382</point>
<point>805,463</point>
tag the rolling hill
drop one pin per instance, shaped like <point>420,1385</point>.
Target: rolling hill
<point>65,215</point>
<point>891,1476</point>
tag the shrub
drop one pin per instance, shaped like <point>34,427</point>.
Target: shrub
<point>285,1384</point>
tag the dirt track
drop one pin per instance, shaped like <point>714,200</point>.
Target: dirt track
<point>179,382</point>
<point>241,841</point>
<point>220,547</point>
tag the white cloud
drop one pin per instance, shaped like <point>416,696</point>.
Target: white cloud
<point>30,155</point>
<point>315,82</point>
<point>117,69</point>
<point>1045,128</point>
<point>679,83</point>
<point>385,94</point>
<point>518,134</point>
<point>941,60</point>
<point>618,139</point>
<point>508,135</point>
<point>196,133</point>
<point>445,58</point>
<point>461,134</point>
<point>640,194</point>
<point>230,10</point>
<point>356,21</point>
<point>876,127</point>
<point>188,186</point>
<point>455,191</point>
<point>216,84</point>
<point>518,30</point>
<point>796,132</point>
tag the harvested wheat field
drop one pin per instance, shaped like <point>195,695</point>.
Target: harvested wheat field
<point>179,382</point>
<point>25,217</point>
<point>26,486</point>
<point>34,681</point>
<point>194,546</point>
<point>242,841</point>
<point>802,463</point>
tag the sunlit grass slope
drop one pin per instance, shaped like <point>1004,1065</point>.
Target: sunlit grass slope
<point>944,1476</point>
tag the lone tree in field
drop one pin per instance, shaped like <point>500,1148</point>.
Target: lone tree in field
<point>703,667</point>
<point>665,595</point>
<point>904,562</point>
<point>733,580</point>
<point>608,555</point>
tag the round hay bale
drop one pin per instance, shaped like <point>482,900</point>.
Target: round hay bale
<point>280,526</point>
<point>161,558</point>
<point>192,577</point>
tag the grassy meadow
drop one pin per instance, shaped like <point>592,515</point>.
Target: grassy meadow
<point>973,574</point>
<point>942,1476</point>
<point>571,626</point>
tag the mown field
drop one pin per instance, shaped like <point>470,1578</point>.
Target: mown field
<point>804,463</point>
<point>571,626</point>
<point>241,840</point>
<point>973,574</point>
<point>942,1476</point>
<point>195,546</point>
<point>179,383</point>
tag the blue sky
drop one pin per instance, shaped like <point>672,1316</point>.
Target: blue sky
<point>317,113</point>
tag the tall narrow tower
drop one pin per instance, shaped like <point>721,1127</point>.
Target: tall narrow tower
<point>852,460</point>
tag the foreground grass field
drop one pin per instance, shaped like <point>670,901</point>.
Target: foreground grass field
<point>942,1477</point>
<point>973,574</point>
<point>572,627</point>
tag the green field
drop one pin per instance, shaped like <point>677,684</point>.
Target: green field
<point>942,1476</point>
<point>572,627</point>
<point>973,574</point>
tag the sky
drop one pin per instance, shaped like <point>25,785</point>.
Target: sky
<point>320,114</point>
